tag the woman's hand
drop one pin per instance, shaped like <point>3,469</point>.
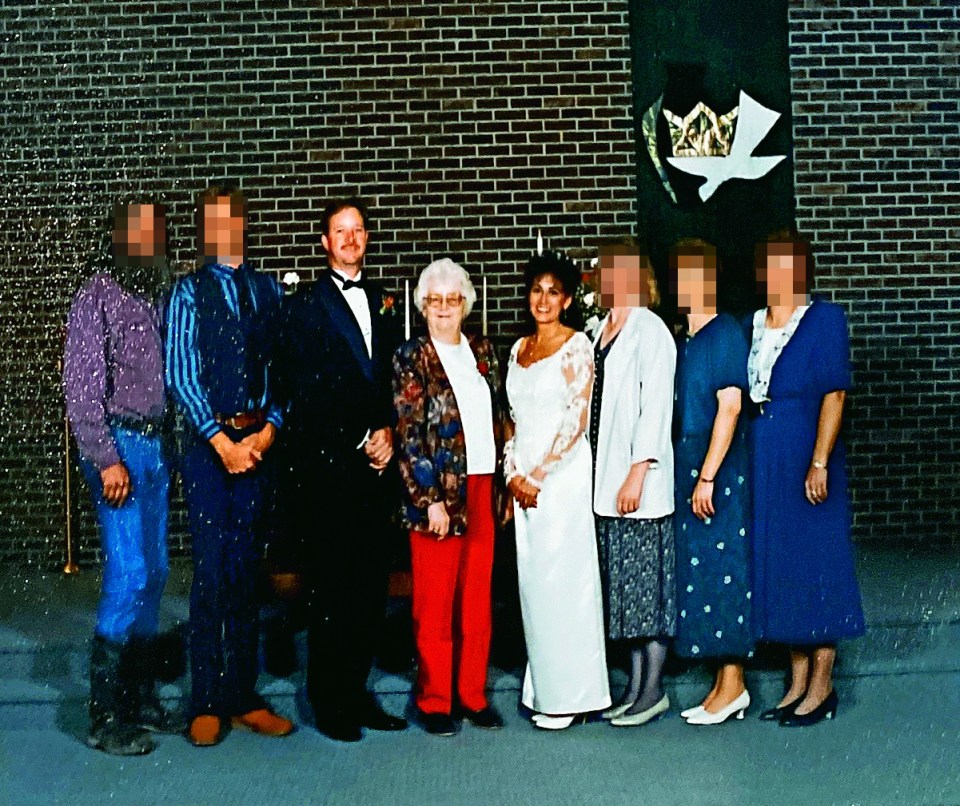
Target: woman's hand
<point>702,500</point>
<point>628,496</point>
<point>438,519</point>
<point>816,485</point>
<point>524,492</point>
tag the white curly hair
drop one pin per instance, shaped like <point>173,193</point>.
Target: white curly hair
<point>445,270</point>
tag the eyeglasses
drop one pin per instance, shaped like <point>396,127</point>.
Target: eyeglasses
<point>436,300</point>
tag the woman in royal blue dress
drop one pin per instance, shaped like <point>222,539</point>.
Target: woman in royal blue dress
<point>712,493</point>
<point>805,587</point>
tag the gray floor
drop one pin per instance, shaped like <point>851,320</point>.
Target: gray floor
<point>896,740</point>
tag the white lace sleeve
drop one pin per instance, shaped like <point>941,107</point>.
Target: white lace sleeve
<point>576,363</point>
<point>510,468</point>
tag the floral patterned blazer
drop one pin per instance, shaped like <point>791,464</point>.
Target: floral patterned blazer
<point>432,452</point>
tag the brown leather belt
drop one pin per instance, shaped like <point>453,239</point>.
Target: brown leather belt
<point>245,419</point>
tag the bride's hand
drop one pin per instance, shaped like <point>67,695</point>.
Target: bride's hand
<point>524,492</point>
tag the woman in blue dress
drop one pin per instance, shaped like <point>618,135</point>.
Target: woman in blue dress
<point>805,586</point>
<point>712,493</point>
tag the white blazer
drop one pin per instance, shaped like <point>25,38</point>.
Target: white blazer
<point>636,415</point>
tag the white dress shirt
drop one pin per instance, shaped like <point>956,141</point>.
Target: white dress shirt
<point>473,400</point>
<point>357,300</point>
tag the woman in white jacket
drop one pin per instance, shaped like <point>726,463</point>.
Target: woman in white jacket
<point>630,433</point>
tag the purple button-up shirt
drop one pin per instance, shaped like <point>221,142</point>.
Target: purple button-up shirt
<point>112,365</point>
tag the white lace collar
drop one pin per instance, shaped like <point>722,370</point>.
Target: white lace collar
<point>761,362</point>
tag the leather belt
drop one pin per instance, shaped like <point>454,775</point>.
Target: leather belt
<point>244,419</point>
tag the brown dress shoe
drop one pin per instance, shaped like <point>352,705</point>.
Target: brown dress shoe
<point>265,722</point>
<point>206,731</point>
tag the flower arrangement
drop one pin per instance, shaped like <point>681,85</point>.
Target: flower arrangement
<point>588,298</point>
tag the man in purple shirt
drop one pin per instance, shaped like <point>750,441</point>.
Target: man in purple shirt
<point>114,385</point>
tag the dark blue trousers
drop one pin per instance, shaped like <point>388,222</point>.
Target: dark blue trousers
<point>225,513</point>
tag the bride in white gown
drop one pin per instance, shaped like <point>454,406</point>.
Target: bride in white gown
<point>548,469</point>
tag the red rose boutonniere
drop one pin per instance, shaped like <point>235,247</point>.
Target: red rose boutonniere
<point>483,368</point>
<point>388,308</point>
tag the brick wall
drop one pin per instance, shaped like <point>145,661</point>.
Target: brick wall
<point>876,105</point>
<point>468,125</point>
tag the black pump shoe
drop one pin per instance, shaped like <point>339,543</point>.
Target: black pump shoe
<point>826,710</point>
<point>439,724</point>
<point>781,711</point>
<point>486,718</point>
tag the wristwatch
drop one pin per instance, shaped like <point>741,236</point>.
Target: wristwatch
<point>819,465</point>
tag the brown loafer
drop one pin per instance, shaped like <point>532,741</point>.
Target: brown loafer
<point>265,722</point>
<point>206,731</point>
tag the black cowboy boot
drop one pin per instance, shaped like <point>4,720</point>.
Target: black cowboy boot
<point>110,731</point>
<point>145,709</point>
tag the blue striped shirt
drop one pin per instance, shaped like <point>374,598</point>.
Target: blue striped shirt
<point>183,355</point>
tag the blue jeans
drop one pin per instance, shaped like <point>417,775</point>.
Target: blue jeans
<point>133,539</point>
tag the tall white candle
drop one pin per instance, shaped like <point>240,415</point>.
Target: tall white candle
<point>539,243</point>
<point>483,306</point>
<point>406,309</point>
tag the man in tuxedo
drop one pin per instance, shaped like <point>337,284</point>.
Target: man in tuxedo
<point>339,340</point>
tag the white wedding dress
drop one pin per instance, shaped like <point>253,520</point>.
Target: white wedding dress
<point>560,597</point>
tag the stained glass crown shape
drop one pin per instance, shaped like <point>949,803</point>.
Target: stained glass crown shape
<point>702,133</point>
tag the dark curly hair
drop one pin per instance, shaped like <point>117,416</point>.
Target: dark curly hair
<point>566,273</point>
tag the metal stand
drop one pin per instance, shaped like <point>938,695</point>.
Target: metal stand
<point>71,567</point>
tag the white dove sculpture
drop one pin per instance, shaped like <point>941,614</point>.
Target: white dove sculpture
<point>753,124</point>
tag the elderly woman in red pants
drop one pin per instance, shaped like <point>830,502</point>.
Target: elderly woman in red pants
<point>449,426</point>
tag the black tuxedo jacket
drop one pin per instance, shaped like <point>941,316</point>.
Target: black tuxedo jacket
<point>334,391</point>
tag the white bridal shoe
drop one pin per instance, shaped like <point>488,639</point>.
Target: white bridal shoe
<point>736,708</point>
<point>632,720</point>
<point>546,722</point>
<point>691,711</point>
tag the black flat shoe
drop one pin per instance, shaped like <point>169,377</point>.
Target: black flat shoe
<point>781,711</point>
<point>826,710</point>
<point>439,724</point>
<point>486,718</point>
<point>339,727</point>
<point>374,717</point>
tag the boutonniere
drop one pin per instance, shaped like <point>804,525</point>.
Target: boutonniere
<point>388,306</point>
<point>483,367</point>
<point>290,281</point>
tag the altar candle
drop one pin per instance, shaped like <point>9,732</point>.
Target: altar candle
<point>483,306</point>
<point>406,309</point>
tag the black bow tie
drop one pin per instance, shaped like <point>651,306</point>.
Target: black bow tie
<point>348,284</point>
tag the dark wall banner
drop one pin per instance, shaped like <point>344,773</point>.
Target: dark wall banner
<point>714,146</point>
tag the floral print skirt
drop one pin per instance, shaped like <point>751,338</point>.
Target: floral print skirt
<point>637,573</point>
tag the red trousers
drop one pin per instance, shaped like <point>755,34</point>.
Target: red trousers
<point>451,607</point>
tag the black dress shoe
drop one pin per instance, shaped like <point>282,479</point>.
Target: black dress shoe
<point>439,724</point>
<point>487,718</point>
<point>339,727</point>
<point>826,710</point>
<point>781,711</point>
<point>370,715</point>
